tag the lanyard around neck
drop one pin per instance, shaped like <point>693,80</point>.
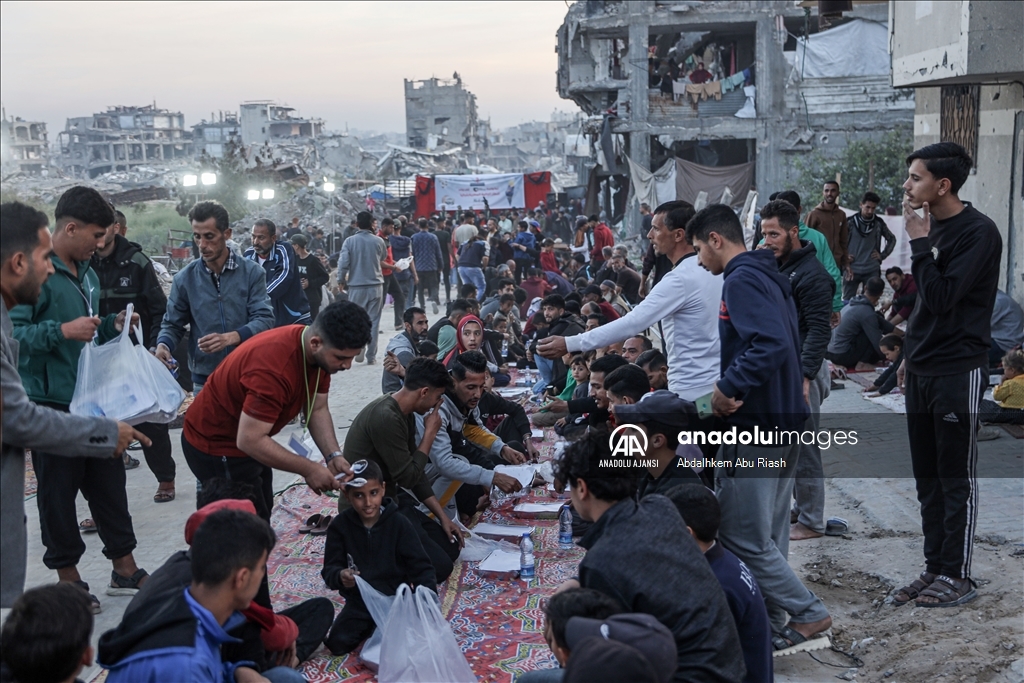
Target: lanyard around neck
<point>305,376</point>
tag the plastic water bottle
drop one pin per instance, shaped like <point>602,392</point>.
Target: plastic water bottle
<point>526,557</point>
<point>504,349</point>
<point>565,527</point>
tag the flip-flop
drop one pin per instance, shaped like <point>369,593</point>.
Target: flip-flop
<point>321,528</point>
<point>88,526</point>
<point>310,524</point>
<point>836,526</point>
<point>797,642</point>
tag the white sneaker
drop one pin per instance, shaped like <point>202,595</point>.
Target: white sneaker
<point>989,433</point>
<point>361,356</point>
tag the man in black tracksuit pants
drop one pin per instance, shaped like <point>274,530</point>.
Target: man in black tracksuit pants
<point>955,252</point>
<point>127,276</point>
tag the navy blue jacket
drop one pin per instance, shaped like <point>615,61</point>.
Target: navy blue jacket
<point>283,285</point>
<point>760,338</point>
<point>747,606</point>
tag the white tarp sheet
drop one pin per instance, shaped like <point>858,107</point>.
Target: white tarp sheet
<point>857,48</point>
<point>502,191</point>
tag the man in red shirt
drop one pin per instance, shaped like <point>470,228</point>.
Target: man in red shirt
<point>536,288</point>
<point>260,388</point>
<point>603,237</point>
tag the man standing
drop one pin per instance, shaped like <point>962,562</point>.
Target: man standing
<point>262,387</point>
<point>955,255</point>
<point>278,260</point>
<point>828,219</point>
<point>812,293</point>
<point>525,246</point>
<point>465,232</point>
<point>312,274</point>
<point>426,253</point>
<point>402,349</point>
<point>867,233</point>
<point>444,238</point>
<point>25,247</point>
<point>685,300</point>
<point>406,278</point>
<point>391,284</point>
<point>126,276</point>
<point>359,271</point>
<point>222,299</point>
<point>472,260</point>
<point>761,386</point>
<point>603,237</point>
<point>51,334</point>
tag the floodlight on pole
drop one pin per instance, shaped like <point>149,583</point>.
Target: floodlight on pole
<point>209,178</point>
<point>190,180</point>
<point>328,187</point>
<point>253,195</point>
<point>268,194</point>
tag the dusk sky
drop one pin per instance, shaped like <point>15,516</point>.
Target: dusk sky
<point>342,62</point>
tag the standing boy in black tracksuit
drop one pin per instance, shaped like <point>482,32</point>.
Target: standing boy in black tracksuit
<point>955,252</point>
<point>370,539</point>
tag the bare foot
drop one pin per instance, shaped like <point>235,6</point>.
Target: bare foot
<point>813,628</point>
<point>801,532</point>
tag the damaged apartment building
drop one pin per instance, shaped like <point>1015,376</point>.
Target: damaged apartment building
<point>25,148</point>
<point>741,88</point>
<point>121,138</point>
<point>440,113</point>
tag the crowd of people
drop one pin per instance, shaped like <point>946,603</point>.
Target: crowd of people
<point>712,332</point>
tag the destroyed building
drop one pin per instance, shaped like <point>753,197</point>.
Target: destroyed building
<point>963,61</point>
<point>264,121</point>
<point>773,86</point>
<point>210,137</point>
<point>121,138</point>
<point>25,148</point>
<point>440,113</point>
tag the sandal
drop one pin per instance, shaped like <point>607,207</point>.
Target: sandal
<point>914,589</point>
<point>163,496</point>
<point>789,641</point>
<point>130,463</point>
<point>94,602</point>
<point>88,526</point>
<point>121,585</point>
<point>947,593</point>
<point>321,527</point>
<point>310,524</point>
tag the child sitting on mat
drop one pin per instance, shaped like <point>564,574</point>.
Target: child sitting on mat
<point>370,539</point>
<point>1009,393</point>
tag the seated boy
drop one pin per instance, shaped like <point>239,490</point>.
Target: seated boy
<point>576,386</point>
<point>1009,393</point>
<point>372,540</point>
<point>626,385</point>
<point>676,586</point>
<point>178,635</point>
<point>46,636</point>
<point>652,361</point>
<point>702,515</point>
<point>559,609</point>
<point>891,346</point>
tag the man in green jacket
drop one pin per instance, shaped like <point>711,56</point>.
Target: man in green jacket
<point>51,335</point>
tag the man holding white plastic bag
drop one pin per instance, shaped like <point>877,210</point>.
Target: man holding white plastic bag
<point>51,334</point>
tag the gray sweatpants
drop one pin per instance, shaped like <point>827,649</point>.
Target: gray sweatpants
<point>810,482</point>
<point>755,526</point>
<point>371,298</point>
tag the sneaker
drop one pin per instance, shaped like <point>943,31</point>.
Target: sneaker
<point>435,309</point>
<point>120,585</point>
<point>836,386</point>
<point>130,463</point>
<point>988,433</point>
<point>361,356</point>
<point>94,602</point>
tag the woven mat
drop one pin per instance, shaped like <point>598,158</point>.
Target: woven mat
<point>496,619</point>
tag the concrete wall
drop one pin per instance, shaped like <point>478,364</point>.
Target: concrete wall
<point>994,187</point>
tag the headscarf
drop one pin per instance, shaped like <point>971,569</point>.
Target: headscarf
<point>459,346</point>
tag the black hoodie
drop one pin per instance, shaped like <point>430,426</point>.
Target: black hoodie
<point>757,326</point>
<point>387,554</point>
<point>813,289</point>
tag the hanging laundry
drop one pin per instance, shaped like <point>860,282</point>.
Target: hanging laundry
<point>713,89</point>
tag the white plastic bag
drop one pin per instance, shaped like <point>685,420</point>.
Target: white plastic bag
<point>113,382</point>
<point>169,393</point>
<point>379,606</point>
<point>418,645</point>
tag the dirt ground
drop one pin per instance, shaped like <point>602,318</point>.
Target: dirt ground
<point>856,576</point>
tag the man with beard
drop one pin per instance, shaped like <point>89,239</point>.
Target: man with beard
<point>284,284</point>
<point>813,288</point>
<point>402,349</point>
<point>259,389</point>
<point>830,220</point>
